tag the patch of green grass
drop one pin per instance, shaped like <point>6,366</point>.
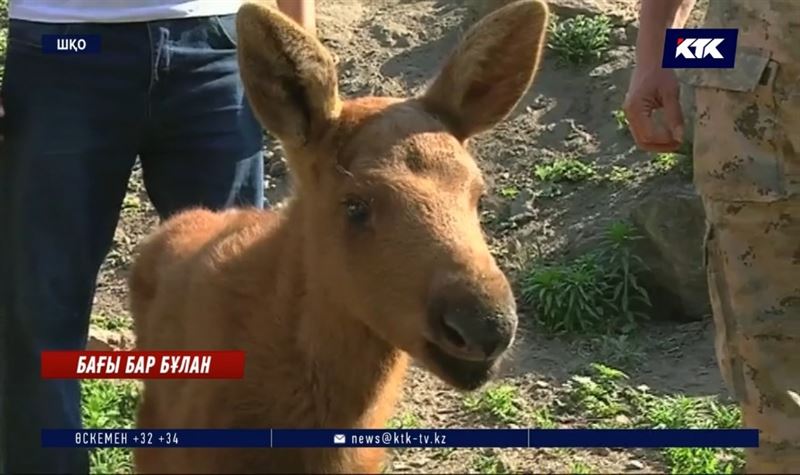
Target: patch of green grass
<point>622,120</point>
<point>693,460</point>
<point>568,298</point>
<point>501,402</point>
<point>579,467</point>
<point>597,292</point>
<point>112,322</point>
<point>407,420</point>
<point>674,412</point>
<point>665,162</point>
<point>669,162</point>
<point>131,201</point>
<point>564,169</point>
<point>580,40</point>
<point>602,395</point>
<point>620,174</point>
<point>619,351</point>
<point>109,404</point>
<point>542,418</point>
<point>488,463</point>
<point>598,393</point>
<point>509,192</point>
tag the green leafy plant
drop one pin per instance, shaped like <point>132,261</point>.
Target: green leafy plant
<point>620,174</point>
<point>541,418</point>
<point>598,392</point>
<point>579,467</point>
<point>489,464</point>
<point>679,411</point>
<point>668,162</point>
<point>564,169</point>
<point>617,350</point>
<point>623,267</point>
<point>509,191</point>
<point>407,420</point>
<point>602,395</point>
<point>502,402</point>
<point>665,162</point>
<point>109,404</point>
<point>597,292</point>
<point>622,120</point>
<point>569,298</point>
<point>581,39</point>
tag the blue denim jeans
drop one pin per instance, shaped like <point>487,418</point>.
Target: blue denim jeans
<point>166,91</point>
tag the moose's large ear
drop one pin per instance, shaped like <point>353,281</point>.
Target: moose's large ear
<point>492,68</point>
<point>289,77</point>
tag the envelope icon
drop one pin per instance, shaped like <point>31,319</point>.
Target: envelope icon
<point>338,439</point>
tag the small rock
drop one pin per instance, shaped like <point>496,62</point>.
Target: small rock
<point>522,204</point>
<point>634,465</point>
<point>519,150</point>
<point>619,36</point>
<point>542,384</point>
<point>622,420</point>
<point>522,218</point>
<point>672,224</point>
<point>101,339</point>
<point>417,463</point>
<point>505,226</point>
<point>391,35</point>
<point>631,33</point>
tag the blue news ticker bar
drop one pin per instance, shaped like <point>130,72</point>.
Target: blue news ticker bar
<point>90,438</point>
<point>643,438</point>
<point>502,438</point>
<point>424,438</point>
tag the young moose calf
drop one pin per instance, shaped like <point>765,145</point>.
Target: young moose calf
<point>378,255</point>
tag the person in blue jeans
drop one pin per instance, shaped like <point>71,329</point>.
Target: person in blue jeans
<point>164,87</point>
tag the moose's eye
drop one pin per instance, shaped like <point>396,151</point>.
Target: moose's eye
<point>357,210</point>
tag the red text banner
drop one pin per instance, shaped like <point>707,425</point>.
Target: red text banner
<point>142,364</point>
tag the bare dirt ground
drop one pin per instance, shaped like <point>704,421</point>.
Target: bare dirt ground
<point>393,47</point>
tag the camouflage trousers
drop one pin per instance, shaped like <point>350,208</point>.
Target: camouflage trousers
<point>753,265</point>
<point>747,168</point>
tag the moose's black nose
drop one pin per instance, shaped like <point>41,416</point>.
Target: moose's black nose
<point>470,325</point>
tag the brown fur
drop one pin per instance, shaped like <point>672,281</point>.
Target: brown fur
<point>328,305</point>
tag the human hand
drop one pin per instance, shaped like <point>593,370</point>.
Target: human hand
<point>650,89</point>
<point>301,11</point>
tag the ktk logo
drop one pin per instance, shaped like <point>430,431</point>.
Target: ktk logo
<point>694,48</point>
<point>700,48</point>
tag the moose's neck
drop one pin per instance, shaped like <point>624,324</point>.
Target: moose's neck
<point>355,375</point>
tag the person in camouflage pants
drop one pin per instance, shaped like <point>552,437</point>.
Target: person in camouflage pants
<point>747,170</point>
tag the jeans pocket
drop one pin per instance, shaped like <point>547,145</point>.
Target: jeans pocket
<point>28,34</point>
<point>226,29</point>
